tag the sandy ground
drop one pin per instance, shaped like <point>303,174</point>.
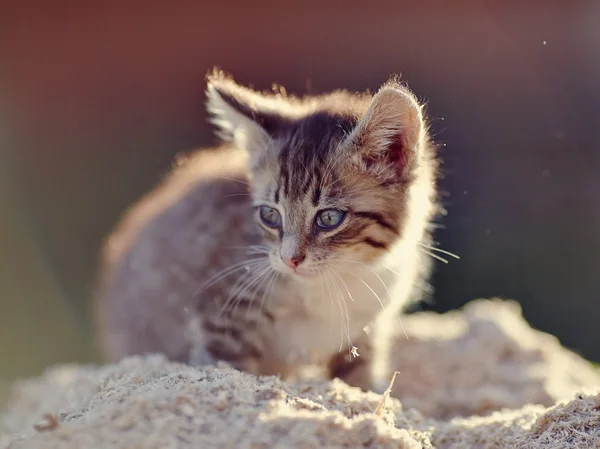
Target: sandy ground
<point>475,378</point>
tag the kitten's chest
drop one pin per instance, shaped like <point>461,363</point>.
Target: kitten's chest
<point>316,321</point>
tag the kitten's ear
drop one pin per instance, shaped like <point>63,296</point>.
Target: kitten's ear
<point>250,119</point>
<point>391,132</point>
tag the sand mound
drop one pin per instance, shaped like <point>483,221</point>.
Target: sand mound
<point>477,378</point>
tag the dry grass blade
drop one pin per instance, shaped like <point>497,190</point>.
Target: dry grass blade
<point>386,394</point>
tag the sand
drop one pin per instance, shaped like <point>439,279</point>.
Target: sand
<point>475,378</point>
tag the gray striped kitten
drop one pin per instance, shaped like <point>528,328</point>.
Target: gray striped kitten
<point>285,245</point>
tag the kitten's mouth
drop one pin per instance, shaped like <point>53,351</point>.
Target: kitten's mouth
<point>301,274</point>
<point>304,274</point>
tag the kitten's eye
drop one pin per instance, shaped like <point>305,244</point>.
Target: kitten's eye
<point>330,218</point>
<point>270,216</point>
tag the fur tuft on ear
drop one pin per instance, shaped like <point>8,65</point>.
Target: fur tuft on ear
<point>248,118</point>
<point>392,129</point>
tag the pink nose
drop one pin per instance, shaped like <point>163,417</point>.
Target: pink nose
<point>293,261</point>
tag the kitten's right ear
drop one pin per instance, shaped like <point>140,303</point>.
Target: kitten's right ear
<point>248,118</point>
<point>391,132</point>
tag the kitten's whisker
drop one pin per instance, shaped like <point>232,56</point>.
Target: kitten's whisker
<point>236,296</point>
<point>382,282</point>
<point>239,285</point>
<point>435,256</point>
<point>393,270</point>
<point>366,285</point>
<point>341,293</point>
<point>443,251</point>
<point>252,249</point>
<point>247,276</point>
<point>226,272</point>
<point>260,280</point>
<point>343,283</point>
<point>343,312</point>
<point>350,345</point>
<point>253,274</point>
<point>372,271</point>
<point>265,248</point>
<point>366,265</point>
<point>257,251</point>
<point>330,300</point>
<point>236,180</point>
<point>269,290</point>
<point>327,285</point>
<point>330,289</point>
<point>237,194</point>
<point>264,281</point>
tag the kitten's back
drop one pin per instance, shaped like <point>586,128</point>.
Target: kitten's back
<point>183,230</point>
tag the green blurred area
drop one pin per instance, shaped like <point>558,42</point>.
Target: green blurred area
<point>38,327</point>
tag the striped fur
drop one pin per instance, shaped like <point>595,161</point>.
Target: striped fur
<point>194,273</point>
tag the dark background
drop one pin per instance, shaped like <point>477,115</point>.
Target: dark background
<point>97,98</point>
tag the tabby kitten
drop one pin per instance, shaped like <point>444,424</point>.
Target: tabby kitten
<point>279,248</point>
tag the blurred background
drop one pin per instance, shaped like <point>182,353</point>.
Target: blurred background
<point>97,98</point>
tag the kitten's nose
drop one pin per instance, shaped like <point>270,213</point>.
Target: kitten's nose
<point>293,261</point>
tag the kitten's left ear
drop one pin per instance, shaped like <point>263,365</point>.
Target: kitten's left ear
<point>248,118</point>
<point>391,132</point>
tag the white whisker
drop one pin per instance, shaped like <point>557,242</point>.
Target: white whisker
<point>226,272</point>
<point>372,271</point>
<point>264,279</point>
<point>252,249</point>
<point>343,283</point>
<point>330,300</point>
<point>366,285</point>
<point>435,256</point>
<point>433,248</point>
<point>350,345</point>
<point>269,290</point>
<point>327,285</point>
<point>372,291</point>
<point>237,194</point>
<point>343,300</point>
<point>236,180</point>
<point>340,309</point>
<point>241,286</point>
<point>366,265</point>
<point>250,287</point>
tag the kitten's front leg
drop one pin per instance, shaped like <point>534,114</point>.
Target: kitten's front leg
<point>241,344</point>
<point>370,371</point>
<point>354,365</point>
<point>200,355</point>
<point>231,341</point>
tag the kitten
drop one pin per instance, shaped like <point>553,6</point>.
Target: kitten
<point>279,248</point>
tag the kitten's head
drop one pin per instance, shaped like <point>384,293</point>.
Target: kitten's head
<point>329,174</point>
